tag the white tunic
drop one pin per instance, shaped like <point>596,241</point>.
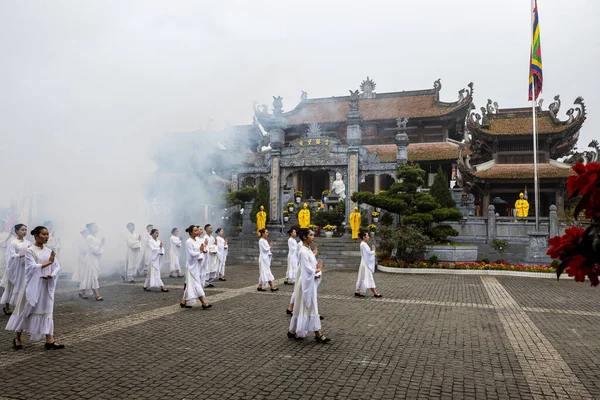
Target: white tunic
<point>292,261</point>
<point>306,310</point>
<point>3,243</point>
<point>15,270</point>
<point>222,251</point>
<point>88,276</point>
<point>174,254</point>
<point>133,253</point>
<point>144,252</point>
<point>367,267</point>
<point>34,309</point>
<point>264,263</point>
<point>213,259</point>
<point>193,281</point>
<point>156,252</point>
<point>203,264</point>
<point>53,243</point>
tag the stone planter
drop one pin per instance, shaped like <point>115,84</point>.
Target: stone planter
<point>375,219</point>
<point>286,219</point>
<point>291,209</point>
<point>452,253</point>
<point>298,200</point>
<point>328,234</point>
<point>372,234</point>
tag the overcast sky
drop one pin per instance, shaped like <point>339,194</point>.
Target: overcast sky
<point>112,68</point>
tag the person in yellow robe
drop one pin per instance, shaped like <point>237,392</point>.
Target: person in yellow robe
<point>261,220</point>
<point>522,206</point>
<point>355,219</point>
<point>304,217</point>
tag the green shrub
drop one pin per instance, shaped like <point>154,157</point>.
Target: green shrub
<point>387,219</point>
<point>433,260</point>
<point>485,260</point>
<point>555,264</point>
<point>500,246</point>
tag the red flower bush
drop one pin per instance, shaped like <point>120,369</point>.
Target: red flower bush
<point>579,249</point>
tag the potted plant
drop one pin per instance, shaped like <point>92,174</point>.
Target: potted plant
<point>298,195</point>
<point>286,215</point>
<point>313,228</point>
<point>290,205</point>
<point>325,194</point>
<point>372,228</point>
<point>329,230</point>
<point>375,216</point>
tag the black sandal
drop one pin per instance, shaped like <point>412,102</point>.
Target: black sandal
<point>54,346</point>
<point>358,294</point>
<point>322,339</point>
<point>291,335</point>
<point>184,305</point>
<point>164,290</point>
<point>6,310</point>
<point>206,307</point>
<point>261,289</point>
<point>17,346</point>
<point>99,298</point>
<point>146,289</point>
<point>222,279</point>
<point>288,312</point>
<point>378,295</point>
<point>274,289</point>
<point>83,296</point>
<point>321,317</point>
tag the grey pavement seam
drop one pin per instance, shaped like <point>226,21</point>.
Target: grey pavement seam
<point>546,372</point>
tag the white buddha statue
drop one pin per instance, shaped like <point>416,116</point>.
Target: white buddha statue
<point>339,188</point>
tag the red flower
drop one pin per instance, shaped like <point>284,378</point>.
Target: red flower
<point>563,247</point>
<point>586,180</point>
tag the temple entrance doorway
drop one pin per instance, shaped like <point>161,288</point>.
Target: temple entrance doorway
<point>312,183</point>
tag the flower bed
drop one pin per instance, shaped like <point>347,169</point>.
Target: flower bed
<point>470,266</point>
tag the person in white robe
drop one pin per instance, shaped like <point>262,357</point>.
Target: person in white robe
<point>53,241</point>
<point>306,308</point>
<point>145,256</point>
<point>4,238</point>
<point>174,249</point>
<point>82,252</point>
<point>212,264</point>
<point>292,258</point>
<point>34,310</point>
<point>14,278</point>
<point>194,254</point>
<point>202,238</point>
<point>133,253</point>
<point>290,309</point>
<point>367,267</point>
<point>264,262</point>
<point>88,276</point>
<point>222,251</point>
<point>156,251</point>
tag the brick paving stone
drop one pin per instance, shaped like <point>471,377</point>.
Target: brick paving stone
<point>431,336</point>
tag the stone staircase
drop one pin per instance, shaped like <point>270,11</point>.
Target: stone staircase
<point>336,252</point>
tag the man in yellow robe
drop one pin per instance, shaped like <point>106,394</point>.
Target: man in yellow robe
<point>355,219</point>
<point>261,220</point>
<point>522,206</point>
<point>304,217</point>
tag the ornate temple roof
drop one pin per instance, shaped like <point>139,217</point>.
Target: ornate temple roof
<point>494,121</point>
<point>554,169</point>
<point>419,151</point>
<point>378,106</point>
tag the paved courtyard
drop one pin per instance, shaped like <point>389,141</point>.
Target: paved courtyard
<point>431,336</point>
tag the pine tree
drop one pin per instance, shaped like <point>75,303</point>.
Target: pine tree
<point>440,190</point>
<point>262,199</point>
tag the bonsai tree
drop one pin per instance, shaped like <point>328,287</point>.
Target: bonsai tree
<point>241,196</point>
<point>500,246</point>
<point>415,208</point>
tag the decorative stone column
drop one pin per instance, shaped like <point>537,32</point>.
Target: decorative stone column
<point>247,226</point>
<point>401,142</point>
<point>274,124</point>
<point>235,181</point>
<point>353,137</point>
<point>553,228</point>
<point>376,184</point>
<point>491,228</point>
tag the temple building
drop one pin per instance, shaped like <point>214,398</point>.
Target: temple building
<point>363,137</point>
<point>501,163</point>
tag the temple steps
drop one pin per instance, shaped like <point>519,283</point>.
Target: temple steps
<point>336,252</point>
